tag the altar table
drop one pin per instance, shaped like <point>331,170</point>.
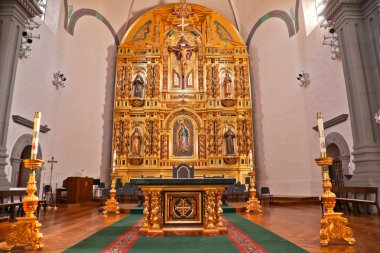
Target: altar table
<point>183,206</point>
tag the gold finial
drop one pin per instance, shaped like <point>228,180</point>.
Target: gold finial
<point>181,10</point>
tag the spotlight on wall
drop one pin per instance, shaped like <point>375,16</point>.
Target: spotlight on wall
<point>27,38</point>
<point>377,116</point>
<point>331,39</point>
<point>304,79</point>
<point>59,80</point>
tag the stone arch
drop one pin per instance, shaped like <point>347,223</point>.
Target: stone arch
<point>22,142</point>
<point>340,142</point>
<point>273,14</point>
<point>90,12</point>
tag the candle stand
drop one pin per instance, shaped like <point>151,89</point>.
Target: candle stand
<point>26,230</point>
<point>333,226</point>
<point>112,206</point>
<point>253,204</point>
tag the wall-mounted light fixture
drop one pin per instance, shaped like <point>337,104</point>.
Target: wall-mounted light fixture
<point>331,39</point>
<point>59,80</point>
<point>27,38</point>
<point>377,116</point>
<point>304,79</point>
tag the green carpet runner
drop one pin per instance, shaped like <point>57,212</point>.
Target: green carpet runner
<point>243,236</point>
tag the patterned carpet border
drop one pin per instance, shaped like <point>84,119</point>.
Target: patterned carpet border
<point>125,241</point>
<point>241,240</point>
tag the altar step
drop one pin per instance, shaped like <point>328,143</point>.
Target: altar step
<point>293,200</point>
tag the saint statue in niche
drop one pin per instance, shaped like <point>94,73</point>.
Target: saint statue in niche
<point>136,142</point>
<point>183,144</point>
<point>229,135</point>
<point>138,85</point>
<point>227,82</point>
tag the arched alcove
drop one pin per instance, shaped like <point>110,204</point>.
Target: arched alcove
<point>337,147</point>
<point>19,152</point>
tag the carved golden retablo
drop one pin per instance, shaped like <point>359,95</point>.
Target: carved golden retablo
<point>182,82</point>
<point>26,230</point>
<point>253,204</point>
<point>333,226</point>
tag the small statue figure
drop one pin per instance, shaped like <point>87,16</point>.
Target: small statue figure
<point>227,84</point>
<point>138,85</point>
<point>229,135</point>
<point>136,142</point>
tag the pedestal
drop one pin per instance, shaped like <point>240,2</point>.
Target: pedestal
<point>333,226</point>
<point>253,204</point>
<point>112,206</point>
<point>26,230</point>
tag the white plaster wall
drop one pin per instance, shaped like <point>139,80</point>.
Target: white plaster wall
<point>80,115</point>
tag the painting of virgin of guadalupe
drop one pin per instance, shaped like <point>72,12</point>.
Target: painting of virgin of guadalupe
<point>183,138</point>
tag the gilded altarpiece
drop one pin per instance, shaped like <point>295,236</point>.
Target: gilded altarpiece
<point>182,95</point>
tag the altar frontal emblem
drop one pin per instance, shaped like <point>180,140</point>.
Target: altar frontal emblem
<point>183,208</point>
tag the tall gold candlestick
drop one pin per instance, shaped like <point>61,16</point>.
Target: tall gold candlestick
<point>253,204</point>
<point>26,230</point>
<point>333,226</point>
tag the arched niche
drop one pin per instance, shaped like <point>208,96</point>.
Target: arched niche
<point>21,144</point>
<point>338,140</point>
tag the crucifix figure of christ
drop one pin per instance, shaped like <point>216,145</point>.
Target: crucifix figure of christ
<point>183,53</point>
<point>183,50</point>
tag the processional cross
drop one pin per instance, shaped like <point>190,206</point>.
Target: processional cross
<point>52,161</point>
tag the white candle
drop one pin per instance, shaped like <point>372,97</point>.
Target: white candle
<point>322,142</point>
<point>114,162</point>
<point>36,131</point>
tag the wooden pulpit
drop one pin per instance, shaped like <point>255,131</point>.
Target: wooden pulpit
<point>79,189</point>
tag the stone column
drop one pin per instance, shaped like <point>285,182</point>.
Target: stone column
<point>14,15</point>
<point>357,23</point>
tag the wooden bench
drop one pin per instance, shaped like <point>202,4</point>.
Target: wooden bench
<point>9,209</point>
<point>356,196</point>
<point>11,204</point>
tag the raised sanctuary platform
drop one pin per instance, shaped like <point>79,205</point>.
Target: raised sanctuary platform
<point>183,206</point>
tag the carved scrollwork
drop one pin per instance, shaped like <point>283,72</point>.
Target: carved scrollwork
<point>149,80</point>
<point>147,137</point>
<point>209,81</point>
<point>125,137</point>
<point>216,81</point>
<point>155,138</point>
<point>218,137</point>
<point>245,80</point>
<point>156,78</point>
<point>238,85</point>
<point>211,137</point>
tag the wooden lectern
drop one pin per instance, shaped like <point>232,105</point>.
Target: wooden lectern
<point>79,189</point>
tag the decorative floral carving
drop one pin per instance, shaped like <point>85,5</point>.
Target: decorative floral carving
<point>149,80</point>
<point>216,80</point>
<point>155,217</point>
<point>210,210</point>
<point>218,137</point>
<point>155,138</point>
<point>147,137</point>
<point>211,137</point>
<point>125,137</point>
<point>202,147</point>
<point>245,80</point>
<point>209,81</point>
<point>156,77</point>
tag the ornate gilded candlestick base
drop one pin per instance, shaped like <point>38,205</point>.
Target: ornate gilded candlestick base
<point>26,230</point>
<point>253,204</point>
<point>333,226</point>
<point>112,206</point>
